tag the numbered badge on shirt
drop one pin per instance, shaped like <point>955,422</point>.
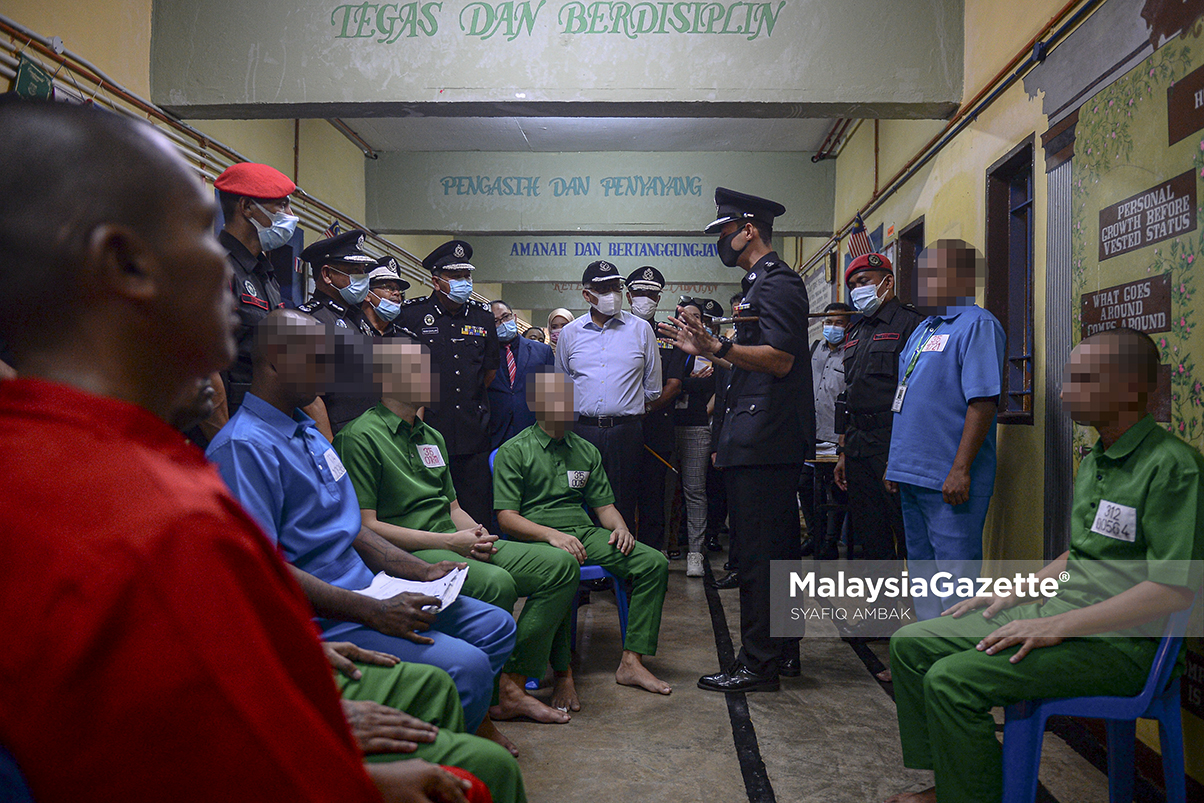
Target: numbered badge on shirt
<point>897,404</point>
<point>431,456</point>
<point>334,464</point>
<point>577,479</point>
<point>1115,521</point>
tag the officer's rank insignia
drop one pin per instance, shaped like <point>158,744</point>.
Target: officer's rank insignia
<point>459,252</point>
<point>250,288</point>
<point>429,320</point>
<point>341,322</point>
<point>752,277</point>
<point>478,331</point>
<point>739,309</point>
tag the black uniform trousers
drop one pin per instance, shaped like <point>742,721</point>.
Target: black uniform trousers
<point>473,482</point>
<point>875,515</point>
<point>651,502</point>
<point>622,448</point>
<point>764,521</point>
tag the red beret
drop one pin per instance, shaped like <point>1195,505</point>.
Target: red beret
<point>255,181</point>
<point>868,262</point>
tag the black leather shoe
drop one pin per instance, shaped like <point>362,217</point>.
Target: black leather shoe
<point>808,547</point>
<point>713,544</point>
<point>727,565</point>
<point>741,678</point>
<point>790,667</point>
<point>731,581</point>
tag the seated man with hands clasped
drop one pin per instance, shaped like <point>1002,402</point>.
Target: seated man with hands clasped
<point>541,477</point>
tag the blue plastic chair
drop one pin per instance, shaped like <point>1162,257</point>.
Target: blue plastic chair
<point>1024,728</point>
<point>13,788</point>
<point>597,573</point>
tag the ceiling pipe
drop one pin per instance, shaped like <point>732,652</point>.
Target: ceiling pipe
<point>1035,52</point>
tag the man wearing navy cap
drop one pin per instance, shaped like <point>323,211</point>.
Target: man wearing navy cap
<point>644,287</point>
<point>340,271</point>
<point>462,337</point>
<point>768,428</point>
<point>872,345</point>
<point>612,358</point>
<point>258,219</point>
<point>386,292</point>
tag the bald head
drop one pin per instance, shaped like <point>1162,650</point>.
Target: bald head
<point>64,171</point>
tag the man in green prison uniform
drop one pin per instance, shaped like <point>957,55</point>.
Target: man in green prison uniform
<point>1138,498</point>
<point>541,477</point>
<point>404,710</point>
<point>398,466</point>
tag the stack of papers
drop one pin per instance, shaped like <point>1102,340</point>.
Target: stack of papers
<point>446,588</point>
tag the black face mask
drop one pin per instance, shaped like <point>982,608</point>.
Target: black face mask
<point>728,255</point>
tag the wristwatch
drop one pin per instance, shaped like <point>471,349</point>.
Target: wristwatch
<point>725,345</point>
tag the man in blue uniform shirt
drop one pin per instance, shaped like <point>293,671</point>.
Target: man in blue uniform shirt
<point>768,427</point>
<point>942,446</point>
<point>287,475</point>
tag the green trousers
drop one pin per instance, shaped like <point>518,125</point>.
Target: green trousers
<point>428,693</point>
<point>945,689</point>
<point>646,569</point>
<point>546,577</point>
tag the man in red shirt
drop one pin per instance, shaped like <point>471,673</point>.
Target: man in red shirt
<point>156,647</point>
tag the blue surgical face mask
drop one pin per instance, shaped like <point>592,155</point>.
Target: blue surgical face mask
<point>507,330</point>
<point>357,291</point>
<point>386,308</point>
<point>279,233</point>
<point>833,334</point>
<point>866,298</point>
<point>459,290</point>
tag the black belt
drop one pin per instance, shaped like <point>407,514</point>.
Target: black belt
<point>868,421</point>
<point>607,421</point>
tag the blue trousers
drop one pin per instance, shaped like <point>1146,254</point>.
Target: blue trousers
<point>473,639</point>
<point>941,538</point>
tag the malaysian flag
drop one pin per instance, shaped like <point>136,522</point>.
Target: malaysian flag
<point>859,241</point>
<point>334,229</point>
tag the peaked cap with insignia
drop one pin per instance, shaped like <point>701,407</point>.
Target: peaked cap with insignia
<point>342,249</point>
<point>646,278</point>
<point>712,308</point>
<point>600,271</point>
<point>387,270</point>
<point>731,205</point>
<point>453,255</point>
<point>868,262</point>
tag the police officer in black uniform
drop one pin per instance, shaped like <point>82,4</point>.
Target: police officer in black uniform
<point>255,207</point>
<point>465,351</point>
<point>386,292</point>
<point>873,342</point>
<point>644,287</point>
<point>768,427</point>
<point>340,271</point>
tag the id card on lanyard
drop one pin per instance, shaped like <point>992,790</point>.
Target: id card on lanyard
<point>921,347</point>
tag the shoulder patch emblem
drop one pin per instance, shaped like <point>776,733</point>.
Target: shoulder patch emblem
<point>250,288</point>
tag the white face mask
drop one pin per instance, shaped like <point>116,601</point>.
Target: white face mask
<point>644,307</point>
<point>866,298</point>
<point>608,303</point>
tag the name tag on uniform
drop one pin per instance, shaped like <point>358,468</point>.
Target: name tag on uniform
<point>334,464</point>
<point>936,343</point>
<point>1115,521</point>
<point>897,404</point>
<point>431,456</point>
<point>577,479</point>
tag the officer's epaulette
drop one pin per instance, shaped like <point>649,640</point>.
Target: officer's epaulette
<point>409,302</point>
<point>481,304</point>
<point>909,305</point>
<point>309,306</point>
<point>336,306</point>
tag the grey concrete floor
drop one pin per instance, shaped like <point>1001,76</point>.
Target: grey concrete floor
<point>828,736</point>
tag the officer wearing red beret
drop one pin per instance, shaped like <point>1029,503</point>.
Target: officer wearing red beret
<point>871,373</point>
<point>255,206</point>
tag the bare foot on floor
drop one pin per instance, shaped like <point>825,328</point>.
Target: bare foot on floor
<point>927,796</point>
<point>489,731</point>
<point>564,693</point>
<point>632,672</point>
<point>514,702</point>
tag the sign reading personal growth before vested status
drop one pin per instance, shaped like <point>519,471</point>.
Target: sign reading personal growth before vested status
<point>1163,211</point>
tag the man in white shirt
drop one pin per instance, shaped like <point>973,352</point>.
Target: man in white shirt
<point>612,359</point>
